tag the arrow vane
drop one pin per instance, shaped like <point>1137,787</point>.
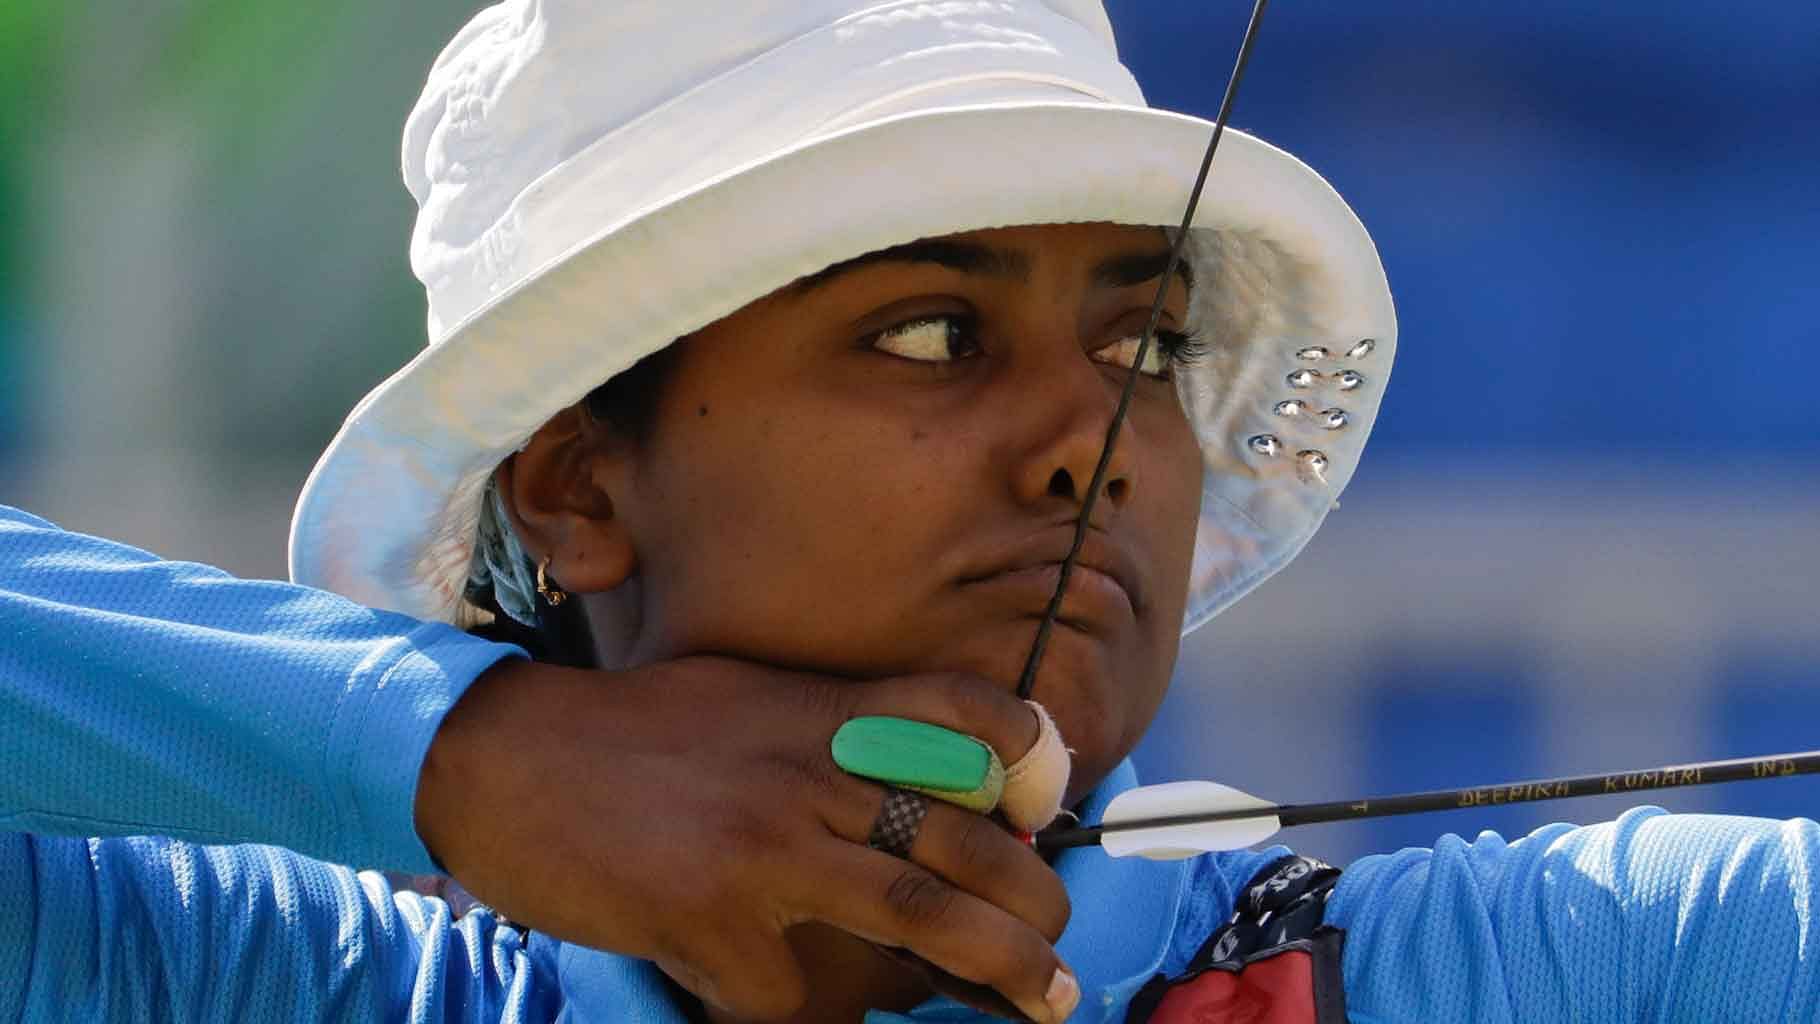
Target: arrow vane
<point>1180,819</point>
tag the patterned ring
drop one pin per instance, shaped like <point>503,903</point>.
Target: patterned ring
<point>894,830</point>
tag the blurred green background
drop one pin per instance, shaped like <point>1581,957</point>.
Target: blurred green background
<point>204,239</point>
<point>1586,536</point>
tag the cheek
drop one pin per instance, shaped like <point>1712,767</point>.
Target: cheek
<point>1172,518</point>
<point>766,529</point>
<point>1178,479</point>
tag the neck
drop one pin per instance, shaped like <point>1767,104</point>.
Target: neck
<point>615,621</point>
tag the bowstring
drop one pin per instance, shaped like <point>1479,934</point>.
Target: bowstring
<point>1027,681</point>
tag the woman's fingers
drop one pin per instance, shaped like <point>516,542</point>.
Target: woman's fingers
<point>721,818</point>
<point>969,851</point>
<point>1020,732</point>
<point>974,904</point>
<point>981,997</point>
<point>966,704</point>
<point>972,852</point>
<point>1037,783</point>
<point>900,904</point>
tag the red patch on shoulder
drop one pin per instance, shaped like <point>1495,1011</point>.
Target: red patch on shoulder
<point>1278,989</point>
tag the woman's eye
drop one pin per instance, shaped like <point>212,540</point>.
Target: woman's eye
<point>930,339</point>
<point>1167,348</point>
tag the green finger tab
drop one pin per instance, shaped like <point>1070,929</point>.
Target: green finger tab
<point>929,759</point>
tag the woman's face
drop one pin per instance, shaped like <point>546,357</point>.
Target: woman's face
<point>878,471</point>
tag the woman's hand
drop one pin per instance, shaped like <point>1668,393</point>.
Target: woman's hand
<point>690,812</point>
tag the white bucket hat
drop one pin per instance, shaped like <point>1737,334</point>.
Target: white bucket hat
<point>596,180</point>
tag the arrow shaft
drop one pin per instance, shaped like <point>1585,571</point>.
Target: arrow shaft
<point>1702,773</point>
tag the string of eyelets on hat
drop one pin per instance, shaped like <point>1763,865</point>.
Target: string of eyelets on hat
<point>1312,461</point>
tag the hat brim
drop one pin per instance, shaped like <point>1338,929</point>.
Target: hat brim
<point>388,515</point>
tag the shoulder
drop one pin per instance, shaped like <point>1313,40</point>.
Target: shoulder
<point>1255,947</point>
<point>1215,889</point>
<point>1549,925</point>
<point>1642,852</point>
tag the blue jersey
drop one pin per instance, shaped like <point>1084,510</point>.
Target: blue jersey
<point>142,700</point>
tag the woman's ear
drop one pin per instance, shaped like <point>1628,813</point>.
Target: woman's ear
<point>559,493</point>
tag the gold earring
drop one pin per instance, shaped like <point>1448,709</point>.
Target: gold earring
<point>553,595</point>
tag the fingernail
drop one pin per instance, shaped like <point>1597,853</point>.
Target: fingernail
<point>1063,993</point>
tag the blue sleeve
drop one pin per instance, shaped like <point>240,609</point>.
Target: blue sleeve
<point>151,929</point>
<point>1653,917</point>
<point>139,697</point>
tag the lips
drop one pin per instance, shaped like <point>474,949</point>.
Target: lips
<point>1104,590</point>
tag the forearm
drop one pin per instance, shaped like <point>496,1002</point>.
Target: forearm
<point>1652,917</point>
<point>152,929</point>
<point>139,696</point>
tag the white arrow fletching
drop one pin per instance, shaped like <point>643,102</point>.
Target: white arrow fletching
<point>1173,842</point>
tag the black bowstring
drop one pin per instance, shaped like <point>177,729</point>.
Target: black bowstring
<point>1028,680</point>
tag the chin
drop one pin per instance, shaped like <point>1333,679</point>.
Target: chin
<point>1101,700</point>
<point>1094,757</point>
<point>1101,706</point>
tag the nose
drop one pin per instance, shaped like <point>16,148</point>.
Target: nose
<point>1070,407</point>
<point>1062,485</point>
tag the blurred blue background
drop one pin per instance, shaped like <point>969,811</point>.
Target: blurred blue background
<point>1584,538</point>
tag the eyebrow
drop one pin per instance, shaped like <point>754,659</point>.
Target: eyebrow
<point>1120,271</point>
<point>1134,268</point>
<point>964,257</point>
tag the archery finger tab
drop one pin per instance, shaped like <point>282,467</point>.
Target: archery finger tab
<point>1036,783</point>
<point>937,762</point>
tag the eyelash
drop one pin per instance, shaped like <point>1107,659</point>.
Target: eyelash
<point>1179,347</point>
<point>1182,348</point>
